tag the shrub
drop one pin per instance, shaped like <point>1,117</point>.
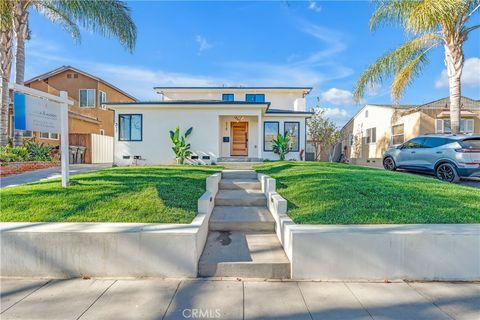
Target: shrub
<point>38,151</point>
<point>281,145</point>
<point>30,151</point>
<point>11,154</point>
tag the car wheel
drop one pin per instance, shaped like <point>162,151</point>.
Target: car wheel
<point>389,164</point>
<point>447,172</point>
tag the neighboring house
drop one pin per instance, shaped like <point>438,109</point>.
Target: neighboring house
<point>89,93</point>
<point>377,127</point>
<point>229,123</point>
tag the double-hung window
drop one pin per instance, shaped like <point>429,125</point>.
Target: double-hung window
<point>130,127</point>
<point>87,98</point>
<point>270,132</point>
<point>371,136</point>
<point>398,134</point>
<point>250,97</point>
<point>49,135</point>
<point>293,131</point>
<point>102,96</point>
<point>228,97</point>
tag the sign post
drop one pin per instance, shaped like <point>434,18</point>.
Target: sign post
<point>36,110</point>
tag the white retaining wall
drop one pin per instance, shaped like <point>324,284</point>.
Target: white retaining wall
<point>107,249</point>
<point>376,252</point>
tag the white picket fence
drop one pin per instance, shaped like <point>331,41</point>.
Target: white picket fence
<point>102,148</point>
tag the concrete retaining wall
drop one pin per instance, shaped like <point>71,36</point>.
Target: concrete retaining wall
<point>376,252</point>
<point>107,249</point>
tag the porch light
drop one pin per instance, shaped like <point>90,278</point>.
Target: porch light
<point>239,118</point>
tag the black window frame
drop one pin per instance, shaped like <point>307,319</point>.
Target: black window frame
<point>278,131</point>
<point>255,97</point>
<point>120,127</point>
<point>298,133</point>
<point>228,94</point>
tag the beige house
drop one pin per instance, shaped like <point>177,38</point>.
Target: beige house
<point>377,127</point>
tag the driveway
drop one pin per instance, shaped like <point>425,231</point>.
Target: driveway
<point>50,173</point>
<point>232,299</point>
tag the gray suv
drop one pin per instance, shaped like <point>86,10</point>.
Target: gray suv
<point>448,156</point>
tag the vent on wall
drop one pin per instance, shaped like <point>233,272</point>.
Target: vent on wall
<point>75,75</point>
<point>69,75</point>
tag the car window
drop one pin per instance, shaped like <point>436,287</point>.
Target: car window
<point>471,143</point>
<point>414,143</point>
<point>434,142</point>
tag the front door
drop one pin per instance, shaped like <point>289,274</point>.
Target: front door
<point>239,136</point>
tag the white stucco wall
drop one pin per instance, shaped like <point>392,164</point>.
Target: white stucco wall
<point>210,125</point>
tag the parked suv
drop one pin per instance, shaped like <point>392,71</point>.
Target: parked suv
<point>448,156</point>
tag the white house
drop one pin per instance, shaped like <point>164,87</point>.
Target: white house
<point>227,122</point>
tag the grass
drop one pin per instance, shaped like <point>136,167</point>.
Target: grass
<point>331,193</point>
<point>134,194</point>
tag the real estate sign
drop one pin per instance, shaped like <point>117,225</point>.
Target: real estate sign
<point>36,114</point>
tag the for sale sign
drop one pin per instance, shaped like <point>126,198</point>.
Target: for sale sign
<point>36,114</point>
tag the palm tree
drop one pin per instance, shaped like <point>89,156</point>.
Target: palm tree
<point>109,18</point>
<point>6,43</point>
<point>431,23</point>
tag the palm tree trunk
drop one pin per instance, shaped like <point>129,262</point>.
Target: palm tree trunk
<point>454,62</point>
<point>6,68</point>
<point>20,21</point>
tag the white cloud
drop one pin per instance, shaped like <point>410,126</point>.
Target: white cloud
<point>470,74</point>
<point>337,115</point>
<point>337,97</point>
<point>203,44</point>
<point>313,5</point>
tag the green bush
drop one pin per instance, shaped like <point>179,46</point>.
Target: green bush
<point>31,151</point>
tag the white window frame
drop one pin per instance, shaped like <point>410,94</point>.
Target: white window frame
<point>367,136</point>
<point>94,98</point>
<point>25,135</point>
<point>440,125</point>
<point>395,135</point>
<point>102,105</point>
<point>50,136</point>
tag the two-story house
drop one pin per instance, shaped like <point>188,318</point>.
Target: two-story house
<point>89,113</point>
<point>228,123</point>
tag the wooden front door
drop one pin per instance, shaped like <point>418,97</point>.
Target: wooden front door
<point>239,137</point>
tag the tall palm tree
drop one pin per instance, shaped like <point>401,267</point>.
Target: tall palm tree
<point>6,43</point>
<point>431,23</point>
<point>109,18</point>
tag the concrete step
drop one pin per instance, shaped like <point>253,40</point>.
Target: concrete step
<point>239,184</point>
<point>245,219</point>
<point>239,174</point>
<point>240,198</point>
<point>243,255</point>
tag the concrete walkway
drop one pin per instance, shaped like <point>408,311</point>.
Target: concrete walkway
<point>232,299</point>
<point>50,173</point>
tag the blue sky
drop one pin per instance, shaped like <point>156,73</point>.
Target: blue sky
<point>325,45</point>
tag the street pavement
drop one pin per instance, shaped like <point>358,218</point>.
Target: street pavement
<point>50,173</point>
<point>235,299</point>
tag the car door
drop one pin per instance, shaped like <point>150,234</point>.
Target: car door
<point>432,151</point>
<point>406,156</point>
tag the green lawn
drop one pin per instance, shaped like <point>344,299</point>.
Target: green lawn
<point>331,193</point>
<point>135,194</point>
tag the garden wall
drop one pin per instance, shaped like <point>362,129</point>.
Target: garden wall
<point>9,168</point>
<point>62,250</point>
<point>376,252</point>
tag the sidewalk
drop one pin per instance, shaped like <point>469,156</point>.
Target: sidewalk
<point>50,173</point>
<point>231,299</point>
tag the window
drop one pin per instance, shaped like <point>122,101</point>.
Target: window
<point>228,97</point>
<point>102,132</point>
<point>398,135</point>
<point>270,132</point>
<point>350,139</point>
<point>27,134</point>
<point>102,96</point>
<point>49,135</point>
<point>414,143</point>
<point>87,98</point>
<point>444,126</point>
<point>130,127</point>
<point>69,75</point>
<point>254,97</point>
<point>293,131</point>
<point>433,142</point>
<point>371,136</point>
<point>366,113</point>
